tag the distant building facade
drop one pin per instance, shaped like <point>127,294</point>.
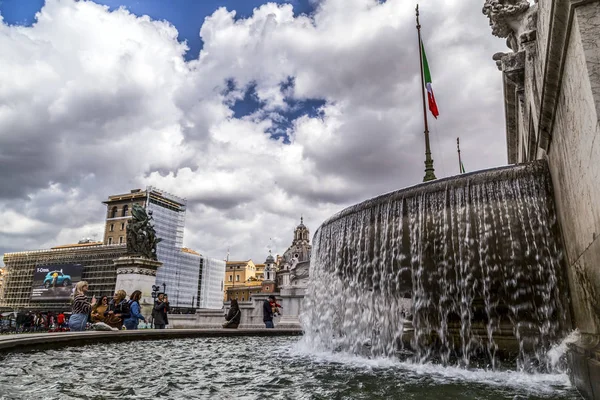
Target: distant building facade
<point>199,281</point>
<point>118,212</point>
<point>190,279</point>
<point>300,248</point>
<point>240,280</point>
<point>269,283</point>
<point>244,279</point>
<point>168,214</point>
<point>297,254</point>
<point>210,288</point>
<point>97,269</point>
<point>183,290</point>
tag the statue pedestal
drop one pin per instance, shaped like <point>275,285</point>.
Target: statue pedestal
<point>137,273</point>
<point>291,301</point>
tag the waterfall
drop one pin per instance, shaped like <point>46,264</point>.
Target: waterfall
<point>458,271</point>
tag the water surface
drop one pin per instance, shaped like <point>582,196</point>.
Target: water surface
<point>250,368</point>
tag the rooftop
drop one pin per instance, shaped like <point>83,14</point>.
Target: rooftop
<point>66,246</point>
<point>190,251</point>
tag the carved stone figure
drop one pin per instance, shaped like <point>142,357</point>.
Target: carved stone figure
<point>299,272</point>
<point>511,19</point>
<point>141,236</point>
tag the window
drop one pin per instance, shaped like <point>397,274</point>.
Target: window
<point>125,209</point>
<point>122,225</point>
<point>120,239</point>
<point>113,213</point>
<point>112,227</point>
<point>109,240</point>
<point>230,278</point>
<point>237,278</point>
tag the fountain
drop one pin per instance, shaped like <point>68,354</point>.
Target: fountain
<point>464,271</point>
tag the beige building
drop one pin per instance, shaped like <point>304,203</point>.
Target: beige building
<point>260,271</point>
<point>244,291</point>
<point>244,278</point>
<point>118,213</point>
<point>238,273</point>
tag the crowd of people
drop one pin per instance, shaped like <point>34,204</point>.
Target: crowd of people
<point>34,322</point>
<point>121,312</point>
<point>118,312</point>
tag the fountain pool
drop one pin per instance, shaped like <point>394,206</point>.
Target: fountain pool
<point>251,368</point>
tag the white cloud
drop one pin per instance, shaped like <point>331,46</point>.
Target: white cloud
<point>94,103</point>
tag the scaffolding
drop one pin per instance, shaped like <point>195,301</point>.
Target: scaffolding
<point>98,270</point>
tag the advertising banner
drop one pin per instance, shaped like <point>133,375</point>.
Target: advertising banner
<point>55,282</point>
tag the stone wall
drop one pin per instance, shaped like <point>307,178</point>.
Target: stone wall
<point>252,314</point>
<point>574,159</point>
<point>552,100</point>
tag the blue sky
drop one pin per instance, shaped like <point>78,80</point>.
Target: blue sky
<point>186,15</point>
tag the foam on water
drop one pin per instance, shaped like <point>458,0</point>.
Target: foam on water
<point>546,384</point>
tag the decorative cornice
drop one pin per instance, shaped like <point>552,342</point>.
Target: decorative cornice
<point>137,271</point>
<point>513,67</point>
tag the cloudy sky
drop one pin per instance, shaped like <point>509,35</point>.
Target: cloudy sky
<point>254,112</point>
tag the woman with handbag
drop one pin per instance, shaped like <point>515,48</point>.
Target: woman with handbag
<point>99,309</point>
<point>233,316</point>
<point>118,310</point>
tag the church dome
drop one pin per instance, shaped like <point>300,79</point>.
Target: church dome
<point>301,226</point>
<point>270,259</point>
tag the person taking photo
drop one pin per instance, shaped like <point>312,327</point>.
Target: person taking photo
<point>159,313</point>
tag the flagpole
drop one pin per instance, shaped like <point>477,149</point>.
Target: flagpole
<point>429,170</point>
<point>460,168</point>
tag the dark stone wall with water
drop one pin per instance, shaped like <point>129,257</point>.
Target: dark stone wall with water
<point>460,270</point>
<point>552,107</point>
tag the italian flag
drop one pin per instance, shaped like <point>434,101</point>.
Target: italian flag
<point>427,75</point>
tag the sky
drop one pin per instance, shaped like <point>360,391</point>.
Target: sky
<point>257,113</point>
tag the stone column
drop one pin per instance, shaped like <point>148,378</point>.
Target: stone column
<point>137,273</point>
<point>291,301</point>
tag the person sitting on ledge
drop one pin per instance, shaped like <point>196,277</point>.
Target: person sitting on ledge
<point>81,307</point>
<point>234,316</point>
<point>134,306</point>
<point>118,310</point>
<point>99,309</point>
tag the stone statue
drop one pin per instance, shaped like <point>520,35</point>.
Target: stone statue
<point>141,236</point>
<point>299,272</point>
<point>511,19</point>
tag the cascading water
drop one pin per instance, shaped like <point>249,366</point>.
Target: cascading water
<point>459,270</point>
